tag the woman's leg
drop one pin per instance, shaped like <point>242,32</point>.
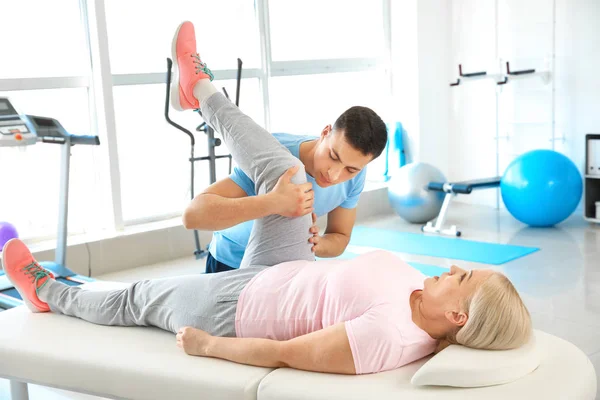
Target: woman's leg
<point>164,303</point>
<point>206,302</point>
<point>274,239</point>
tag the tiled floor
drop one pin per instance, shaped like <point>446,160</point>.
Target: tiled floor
<point>560,284</point>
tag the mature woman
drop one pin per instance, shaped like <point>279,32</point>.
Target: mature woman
<point>283,308</point>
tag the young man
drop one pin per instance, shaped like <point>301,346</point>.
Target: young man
<point>335,164</point>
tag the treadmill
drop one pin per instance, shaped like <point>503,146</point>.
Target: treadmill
<point>25,130</point>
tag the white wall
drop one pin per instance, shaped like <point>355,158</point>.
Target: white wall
<point>405,72</point>
<point>472,150</point>
<point>577,73</point>
<point>434,55</point>
<point>420,54</point>
<point>485,34</point>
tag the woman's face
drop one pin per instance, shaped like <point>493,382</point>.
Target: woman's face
<point>443,295</point>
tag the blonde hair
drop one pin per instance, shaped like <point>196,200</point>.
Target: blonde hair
<point>498,319</point>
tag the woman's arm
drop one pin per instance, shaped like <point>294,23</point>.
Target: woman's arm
<point>326,350</point>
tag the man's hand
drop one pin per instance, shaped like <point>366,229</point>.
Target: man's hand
<point>337,235</point>
<point>292,200</point>
<point>194,342</point>
<point>315,238</point>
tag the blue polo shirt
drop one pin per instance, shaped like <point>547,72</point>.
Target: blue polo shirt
<point>228,246</point>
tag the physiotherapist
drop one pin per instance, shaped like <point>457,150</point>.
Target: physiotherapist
<point>335,164</point>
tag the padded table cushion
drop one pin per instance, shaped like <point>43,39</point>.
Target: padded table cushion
<point>144,363</point>
<point>123,362</point>
<point>564,373</point>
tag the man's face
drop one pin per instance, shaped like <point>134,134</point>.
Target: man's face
<point>335,160</point>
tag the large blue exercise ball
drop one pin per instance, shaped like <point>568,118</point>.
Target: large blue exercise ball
<point>541,188</point>
<point>409,196</point>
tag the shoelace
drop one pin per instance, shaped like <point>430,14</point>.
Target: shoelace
<point>201,66</point>
<point>36,272</point>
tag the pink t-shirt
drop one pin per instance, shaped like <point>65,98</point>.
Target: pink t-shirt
<point>370,293</point>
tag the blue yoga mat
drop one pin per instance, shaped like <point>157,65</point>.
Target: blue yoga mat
<point>428,270</point>
<point>438,246</point>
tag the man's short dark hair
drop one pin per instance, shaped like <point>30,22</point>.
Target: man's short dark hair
<point>363,129</point>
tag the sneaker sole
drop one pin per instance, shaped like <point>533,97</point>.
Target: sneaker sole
<point>175,101</point>
<point>29,304</point>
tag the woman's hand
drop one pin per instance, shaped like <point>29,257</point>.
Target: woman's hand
<point>194,342</point>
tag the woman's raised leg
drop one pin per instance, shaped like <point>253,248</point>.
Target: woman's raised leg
<point>274,239</point>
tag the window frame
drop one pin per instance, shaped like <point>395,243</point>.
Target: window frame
<point>101,82</point>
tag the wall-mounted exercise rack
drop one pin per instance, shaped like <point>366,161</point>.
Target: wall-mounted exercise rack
<point>501,78</point>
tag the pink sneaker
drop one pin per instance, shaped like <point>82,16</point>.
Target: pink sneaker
<point>188,68</point>
<point>25,274</point>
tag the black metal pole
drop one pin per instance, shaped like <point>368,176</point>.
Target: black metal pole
<point>212,164</point>
<point>238,81</point>
<point>198,252</point>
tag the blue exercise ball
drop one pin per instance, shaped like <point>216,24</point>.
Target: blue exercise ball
<point>409,196</point>
<point>541,188</point>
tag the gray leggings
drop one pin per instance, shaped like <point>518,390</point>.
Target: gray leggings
<point>207,302</point>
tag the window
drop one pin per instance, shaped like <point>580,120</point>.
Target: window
<point>301,73</point>
<point>225,30</point>
<point>306,104</point>
<point>32,173</point>
<point>49,43</point>
<point>153,155</point>
<point>326,29</point>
